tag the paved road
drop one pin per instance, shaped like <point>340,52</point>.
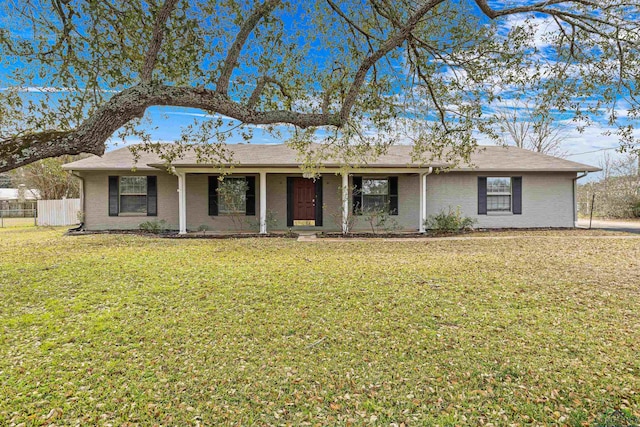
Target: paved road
<point>628,226</point>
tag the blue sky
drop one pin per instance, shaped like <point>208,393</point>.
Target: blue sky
<point>166,122</point>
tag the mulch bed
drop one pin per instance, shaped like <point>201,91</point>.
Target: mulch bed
<point>176,235</point>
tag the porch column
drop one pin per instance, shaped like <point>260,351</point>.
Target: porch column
<point>182,202</point>
<point>423,205</point>
<point>345,202</point>
<point>263,203</point>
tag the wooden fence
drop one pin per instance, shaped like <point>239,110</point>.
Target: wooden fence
<point>58,212</point>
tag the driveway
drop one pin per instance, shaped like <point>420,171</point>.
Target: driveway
<point>612,225</point>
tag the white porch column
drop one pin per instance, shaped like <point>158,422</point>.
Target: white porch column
<point>423,205</point>
<point>182,201</point>
<point>263,203</point>
<point>345,202</point>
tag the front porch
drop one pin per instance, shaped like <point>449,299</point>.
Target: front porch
<point>278,200</point>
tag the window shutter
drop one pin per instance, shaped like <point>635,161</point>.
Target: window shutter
<point>482,195</point>
<point>213,196</point>
<point>318,201</point>
<point>250,209</point>
<point>289,201</point>
<point>356,202</point>
<point>152,196</point>
<point>516,184</point>
<point>113,196</point>
<point>393,195</point>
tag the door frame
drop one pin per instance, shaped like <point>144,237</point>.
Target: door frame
<point>317,196</point>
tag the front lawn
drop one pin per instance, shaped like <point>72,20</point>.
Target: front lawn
<point>131,330</point>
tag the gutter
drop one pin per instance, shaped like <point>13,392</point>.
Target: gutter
<point>575,197</point>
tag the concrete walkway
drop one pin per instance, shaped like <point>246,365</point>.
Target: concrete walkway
<point>611,225</point>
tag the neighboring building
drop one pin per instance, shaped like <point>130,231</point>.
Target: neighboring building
<point>505,187</point>
<point>17,202</point>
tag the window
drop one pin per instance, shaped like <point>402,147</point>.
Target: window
<point>499,194</point>
<point>232,195</point>
<point>375,194</point>
<point>133,194</point>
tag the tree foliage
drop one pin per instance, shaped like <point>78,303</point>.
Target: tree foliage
<point>356,75</point>
<point>617,194</point>
<point>48,178</point>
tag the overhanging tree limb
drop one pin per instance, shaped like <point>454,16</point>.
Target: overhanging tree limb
<point>159,29</point>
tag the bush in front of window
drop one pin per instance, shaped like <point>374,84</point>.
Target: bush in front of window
<point>154,226</point>
<point>232,200</point>
<point>380,220</point>
<point>449,222</point>
<point>271,221</point>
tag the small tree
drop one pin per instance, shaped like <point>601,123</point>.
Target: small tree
<point>232,198</point>
<point>379,219</point>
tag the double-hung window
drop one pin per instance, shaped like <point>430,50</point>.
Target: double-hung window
<point>498,194</point>
<point>133,194</point>
<point>375,194</point>
<point>232,195</point>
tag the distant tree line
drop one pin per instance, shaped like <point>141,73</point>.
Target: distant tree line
<point>617,194</point>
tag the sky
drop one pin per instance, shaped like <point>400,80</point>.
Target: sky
<point>166,122</point>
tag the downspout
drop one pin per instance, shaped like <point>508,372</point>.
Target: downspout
<point>575,197</point>
<point>82,198</point>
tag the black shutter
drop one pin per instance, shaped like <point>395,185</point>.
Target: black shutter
<point>113,196</point>
<point>318,201</point>
<point>393,195</point>
<point>482,195</point>
<point>251,196</point>
<point>213,195</point>
<point>516,184</point>
<point>152,196</point>
<point>289,201</point>
<point>356,202</point>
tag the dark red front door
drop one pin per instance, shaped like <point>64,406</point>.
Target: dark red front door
<point>304,192</point>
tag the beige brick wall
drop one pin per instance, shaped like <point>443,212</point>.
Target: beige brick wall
<point>96,205</point>
<point>198,207</point>
<point>547,199</point>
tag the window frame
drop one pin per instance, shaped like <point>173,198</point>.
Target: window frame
<point>490,194</point>
<point>223,212</point>
<point>121,194</point>
<point>387,196</point>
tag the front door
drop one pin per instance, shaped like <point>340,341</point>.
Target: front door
<point>304,204</point>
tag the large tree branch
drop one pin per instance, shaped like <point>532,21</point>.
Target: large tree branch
<point>131,103</point>
<point>262,82</point>
<point>230,63</point>
<point>390,44</point>
<point>159,29</point>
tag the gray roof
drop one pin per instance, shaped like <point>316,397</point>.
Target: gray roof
<point>486,158</point>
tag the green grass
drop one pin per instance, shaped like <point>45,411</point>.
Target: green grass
<point>17,222</point>
<point>131,330</point>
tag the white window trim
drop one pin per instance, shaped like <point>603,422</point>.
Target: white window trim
<point>500,193</point>
<point>120,212</point>
<point>377,178</point>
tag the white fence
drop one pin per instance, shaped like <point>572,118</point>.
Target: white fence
<point>58,212</point>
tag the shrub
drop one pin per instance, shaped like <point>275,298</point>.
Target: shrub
<point>204,228</point>
<point>271,220</point>
<point>154,226</point>
<point>379,219</point>
<point>449,222</point>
